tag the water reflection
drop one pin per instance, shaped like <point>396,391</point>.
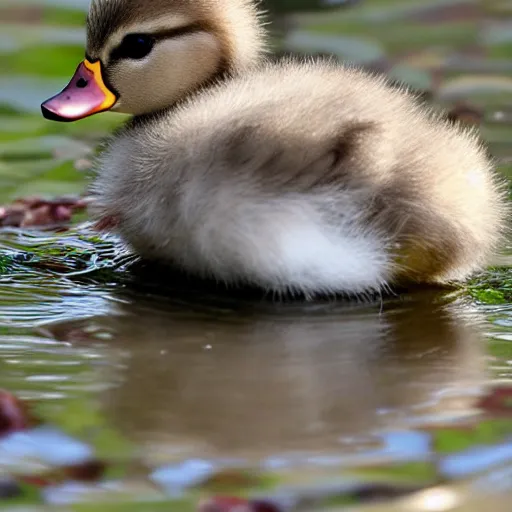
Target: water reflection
<point>261,380</point>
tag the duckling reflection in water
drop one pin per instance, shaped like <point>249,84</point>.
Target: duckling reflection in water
<point>309,177</point>
<point>189,380</point>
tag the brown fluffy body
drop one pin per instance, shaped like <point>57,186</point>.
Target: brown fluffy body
<point>293,176</point>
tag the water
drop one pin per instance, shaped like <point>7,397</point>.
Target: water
<point>172,385</point>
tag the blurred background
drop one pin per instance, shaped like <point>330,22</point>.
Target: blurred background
<point>459,52</point>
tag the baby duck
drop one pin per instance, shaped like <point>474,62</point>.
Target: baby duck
<point>304,177</point>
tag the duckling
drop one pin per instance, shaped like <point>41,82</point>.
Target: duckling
<point>309,177</point>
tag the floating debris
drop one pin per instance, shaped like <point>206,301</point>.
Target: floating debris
<point>37,211</point>
<point>14,414</point>
<point>498,401</point>
<point>234,504</point>
<point>466,114</point>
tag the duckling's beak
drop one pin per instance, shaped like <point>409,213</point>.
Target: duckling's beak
<point>85,95</point>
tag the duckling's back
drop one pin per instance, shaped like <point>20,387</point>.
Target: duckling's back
<point>308,177</point>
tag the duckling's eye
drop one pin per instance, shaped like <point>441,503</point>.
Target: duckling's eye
<point>134,46</point>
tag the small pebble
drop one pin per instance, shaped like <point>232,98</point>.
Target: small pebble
<point>9,488</point>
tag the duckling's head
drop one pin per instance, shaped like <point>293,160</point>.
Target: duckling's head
<point>145,55</point>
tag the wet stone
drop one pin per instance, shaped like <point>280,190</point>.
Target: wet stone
<point>9,488</point>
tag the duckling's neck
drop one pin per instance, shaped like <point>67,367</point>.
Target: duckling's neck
<point>224,71</point>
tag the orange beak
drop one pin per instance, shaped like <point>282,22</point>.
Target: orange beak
<point>85,95</point>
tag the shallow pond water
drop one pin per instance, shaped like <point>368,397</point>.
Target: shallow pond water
<point>172,387</point>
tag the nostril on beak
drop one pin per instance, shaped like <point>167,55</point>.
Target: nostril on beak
<point>81,83</point>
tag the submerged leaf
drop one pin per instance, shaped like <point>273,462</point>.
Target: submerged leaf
<point>498,402</point>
